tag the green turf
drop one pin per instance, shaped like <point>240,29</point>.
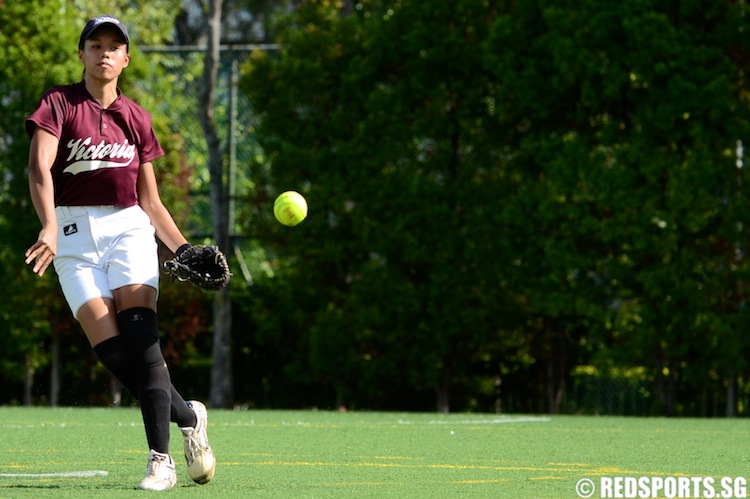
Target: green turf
<point>284,454</point>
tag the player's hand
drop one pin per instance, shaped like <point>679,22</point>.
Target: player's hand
<point>43,251</point>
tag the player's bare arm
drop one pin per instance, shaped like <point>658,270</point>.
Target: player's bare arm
<point>41,157</point>
<point>150,201</point>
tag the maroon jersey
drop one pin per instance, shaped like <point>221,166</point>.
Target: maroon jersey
<point>100,150</point>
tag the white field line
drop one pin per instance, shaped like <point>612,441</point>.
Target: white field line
<point>500,420</point>
<point>66,474</point>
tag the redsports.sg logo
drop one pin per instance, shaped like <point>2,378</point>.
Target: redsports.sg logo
<point>647,487</point>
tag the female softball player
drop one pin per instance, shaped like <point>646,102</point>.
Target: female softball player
<point>94,190</point>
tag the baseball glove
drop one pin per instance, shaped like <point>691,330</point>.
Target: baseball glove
<point>203,266</point>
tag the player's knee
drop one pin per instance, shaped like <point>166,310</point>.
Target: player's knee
<point>138,327</point>
<point>155,395</point>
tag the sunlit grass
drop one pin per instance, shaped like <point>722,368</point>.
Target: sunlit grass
<point>44,451</point>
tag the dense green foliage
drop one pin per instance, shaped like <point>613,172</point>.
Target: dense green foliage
<point>503,191</point>
<point>517,206</point>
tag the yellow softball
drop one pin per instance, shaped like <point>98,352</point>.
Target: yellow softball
<point>290,208</point>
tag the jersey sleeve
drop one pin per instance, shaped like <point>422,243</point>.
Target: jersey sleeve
<point>49,114</point>
<point>150,148</point>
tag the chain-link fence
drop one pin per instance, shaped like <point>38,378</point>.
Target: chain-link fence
<point>182,67</point>
<point>233,114</point>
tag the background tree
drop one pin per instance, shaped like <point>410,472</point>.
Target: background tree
<point>647,100</point>
<point>572,130</point>
<point>383,123</point>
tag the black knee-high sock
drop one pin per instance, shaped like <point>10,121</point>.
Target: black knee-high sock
<point>180,412</point>
<point>112,354</point>
<point>139,331</point>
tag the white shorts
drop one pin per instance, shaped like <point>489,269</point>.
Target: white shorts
<point>103,248</point>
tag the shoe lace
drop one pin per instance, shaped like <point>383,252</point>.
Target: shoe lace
<point>196,442</point>
<point>156,464</point>
<point>192,448</point>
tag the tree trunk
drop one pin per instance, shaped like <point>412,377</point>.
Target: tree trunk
<point>222,385</point>
<point>498,394</point>
<point>731,409</point>
<point>221,371</point>
<point>115,390</point>
<point>553,390</point>
<point>443,390</point>
<point>28,381</point>
<point>54,384</point>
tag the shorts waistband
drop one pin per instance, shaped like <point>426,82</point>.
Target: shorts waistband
<point>72,211</point>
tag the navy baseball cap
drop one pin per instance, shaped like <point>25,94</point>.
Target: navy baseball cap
<point>100,21</point>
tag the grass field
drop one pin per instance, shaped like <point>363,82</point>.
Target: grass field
<point>287,454</point>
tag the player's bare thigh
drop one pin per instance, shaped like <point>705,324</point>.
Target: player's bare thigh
<point>136,295</point>
<point>98,317</point>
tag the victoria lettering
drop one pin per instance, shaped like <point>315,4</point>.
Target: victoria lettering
<point>94,157</point>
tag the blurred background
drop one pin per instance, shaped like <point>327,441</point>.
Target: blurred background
<point>532,207</point>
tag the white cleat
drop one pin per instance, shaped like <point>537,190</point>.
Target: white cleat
<point>201,463</point>
<point>160,472</point>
